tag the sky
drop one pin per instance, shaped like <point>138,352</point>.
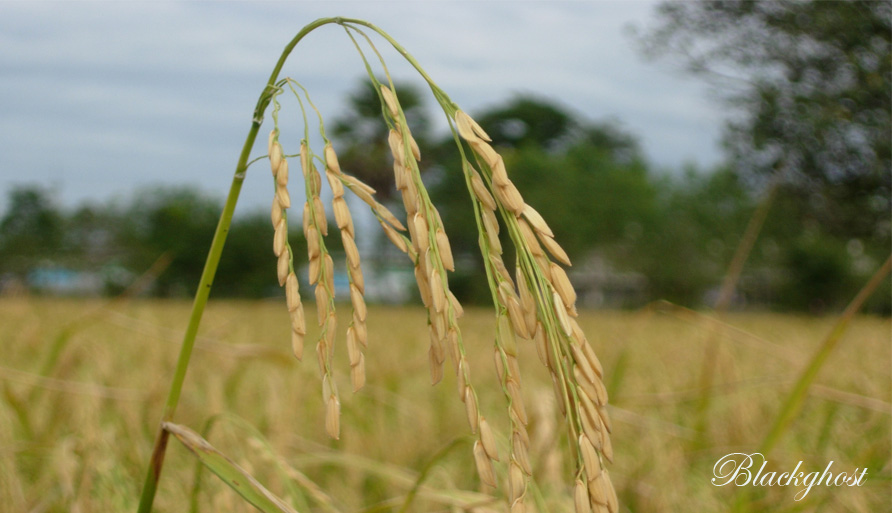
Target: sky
<point>99,99</point>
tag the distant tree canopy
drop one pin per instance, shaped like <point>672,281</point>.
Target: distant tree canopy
<point>811,87</point>
<point>31,229</point>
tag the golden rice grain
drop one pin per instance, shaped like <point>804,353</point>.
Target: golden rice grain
<point>456,306</point>
<point>589,457</point>
<point>292,295</point>
<point>506,336</point>
<point>510,197</point>
<point>275,155</point>
<point>413,146</point>
<point>541,344</point>
<point>521,452</point>
<point>357,374</point>
<point>488,439</point>
<point>480,190</point>
<point>328,272</point>
<point>612,503</point>
<point>580,497</point>
<point>499,173</point>
<point>356,185</point>
<point>354,350</point>
<point>280,238</point>
<point>517,400</point>
<point>515,312</point>
<point>314,181</point>
<point>438,297</point>
<point>273,135</point>
<point>388,216</point>
<point>436,368</point>
<point>359,306</point>
<point>390,100</point>
<point>562,284</point>
<point>605,418</point>
<point>315,268</point>
<point>322,306</point>
<point>560,311</point>
<point>319,216</point>
<point>313,249</point>
<point>530,238</point>
<point>422,242</point>
<point>437,346</point>
<point>486,152</point>
<point>282,174</point>
<point>555,249</point>
<point>596,490</point>
<point>518,506</point>
<point>516,481</point>
<point>397,148</point>
<point>283,266</point>
<point>356,278</point>
<point>350,249</point>
<point>582,363</point>
<point>500,365</point>
<point>484,465</point>
<point>491,227</point>
<point>400,176</point>
<point>468,128</point>
<point>445,250</point>
<point>499,265</point>
<point>342,215</point>
<point>275,212</point>
<point>307,218</point>
<point>331,159</point>
<point>297,345</point>
<point>333,417</point>
<point>337,188</point>
<point>536,221</point>
<point>394,237</point>
<point>298,322</point>
<point>471,409</point>
<point>606,446</point>
<point>362,335</point>
<point>283,197</point>
<point>513,367</point>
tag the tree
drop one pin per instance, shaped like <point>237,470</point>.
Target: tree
<point>31,229</point>
<point>180,221</point>
<point>810,85</point>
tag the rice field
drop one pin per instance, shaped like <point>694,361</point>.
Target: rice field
<point>84,382</point>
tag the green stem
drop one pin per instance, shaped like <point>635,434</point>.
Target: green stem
<point>210,270</point>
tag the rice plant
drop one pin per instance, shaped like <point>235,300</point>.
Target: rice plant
<point>536,302</point>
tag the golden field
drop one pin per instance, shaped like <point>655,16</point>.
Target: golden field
<point>84,383</point>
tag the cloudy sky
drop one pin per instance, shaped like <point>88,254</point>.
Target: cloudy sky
<point>100,98</point>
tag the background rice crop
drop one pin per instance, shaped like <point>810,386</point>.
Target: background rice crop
<point>77,438</point>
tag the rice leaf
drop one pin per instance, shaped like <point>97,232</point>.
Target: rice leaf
<point>233,475</point>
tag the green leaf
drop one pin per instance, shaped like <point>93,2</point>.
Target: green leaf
<point>233,475</point>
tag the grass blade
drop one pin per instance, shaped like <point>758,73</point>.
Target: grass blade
<point>794,402</point>
<point>233,475</point>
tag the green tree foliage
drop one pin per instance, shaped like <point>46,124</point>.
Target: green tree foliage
<point>31,229</point>
<point>810,82</point>
<point>181,222</point>
<point>685,252</point>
